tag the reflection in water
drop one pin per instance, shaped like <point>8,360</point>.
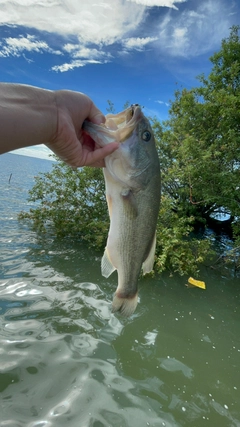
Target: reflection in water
<point>69,361</point>
<point>65,360</point>
<point>64,377</point>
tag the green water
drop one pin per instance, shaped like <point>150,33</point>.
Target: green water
<point>65,360</point>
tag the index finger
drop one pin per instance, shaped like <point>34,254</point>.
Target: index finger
<point>96,157</point>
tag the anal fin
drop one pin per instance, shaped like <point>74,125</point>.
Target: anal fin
<point>106,266</point>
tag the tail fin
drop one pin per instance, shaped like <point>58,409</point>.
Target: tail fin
<point>126,306</point>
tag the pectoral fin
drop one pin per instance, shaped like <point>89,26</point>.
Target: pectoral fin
<point>106,266</point>
<point>130,204</point>
<point>149,261</point>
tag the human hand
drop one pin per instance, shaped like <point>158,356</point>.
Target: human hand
<point>69,141</point>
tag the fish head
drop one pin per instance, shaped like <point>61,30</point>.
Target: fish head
<point>133,163</point>
<point>140,139</point>
<point>136,160</point>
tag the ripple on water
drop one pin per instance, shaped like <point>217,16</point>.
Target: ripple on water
<point>66,361</point>
<point>107,371</point>
<point>76,388</point>
<point>173,365</point>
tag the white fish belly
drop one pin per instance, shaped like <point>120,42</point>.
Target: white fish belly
<point>129,238</point>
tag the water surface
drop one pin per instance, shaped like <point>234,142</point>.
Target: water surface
<point>65,360</point>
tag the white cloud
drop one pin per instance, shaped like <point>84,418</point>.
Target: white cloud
<point>85,52</point>
<point>27,59</point>
<point>13,46</point>
<point>69,47</point>
<point>81,56</point>
<point>95,26</point>
<point>194,32</point>
<point>151,3</point>
<point>90,28</point>
<point>137,43</point>
<point>78,51</point>
<point>162,103</point>
<point>75,64</point>
<point>91,21</point>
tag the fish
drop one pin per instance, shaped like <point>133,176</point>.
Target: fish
<point>133,192</point>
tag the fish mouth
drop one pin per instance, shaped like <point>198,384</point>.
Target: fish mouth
<point>121,125</point>
<point>124,117</point>
<point>117,127</point>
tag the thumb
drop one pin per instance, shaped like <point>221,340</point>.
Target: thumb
<point>95,115</point>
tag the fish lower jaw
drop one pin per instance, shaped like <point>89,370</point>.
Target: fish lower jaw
<point>125,305</point>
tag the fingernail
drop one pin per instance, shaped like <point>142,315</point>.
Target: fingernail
<point>99,119</point>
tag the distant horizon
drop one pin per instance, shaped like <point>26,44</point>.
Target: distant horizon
<point>35,152</point>
<point>28,155</point>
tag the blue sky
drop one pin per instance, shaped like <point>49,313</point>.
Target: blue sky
<point>122,50</point>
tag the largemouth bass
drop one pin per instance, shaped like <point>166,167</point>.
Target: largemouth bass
<point>132,179</point>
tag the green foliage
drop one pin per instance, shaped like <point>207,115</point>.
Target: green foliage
<point>110,108</point>
<point>177,249</point>
<point>199,146</point>
<point>199,153</point>
<point>70,202</point>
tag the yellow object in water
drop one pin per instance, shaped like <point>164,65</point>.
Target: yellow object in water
<point>197,283</point>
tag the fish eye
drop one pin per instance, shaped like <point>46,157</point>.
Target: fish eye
<point>146,135</point>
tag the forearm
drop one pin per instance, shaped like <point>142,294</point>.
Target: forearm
<point>32,116</point>
<point>28,116</point>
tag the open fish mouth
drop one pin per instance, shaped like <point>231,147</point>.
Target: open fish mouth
<point>124,117</point>
<point>118,127</point>
<point>123,123</point>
